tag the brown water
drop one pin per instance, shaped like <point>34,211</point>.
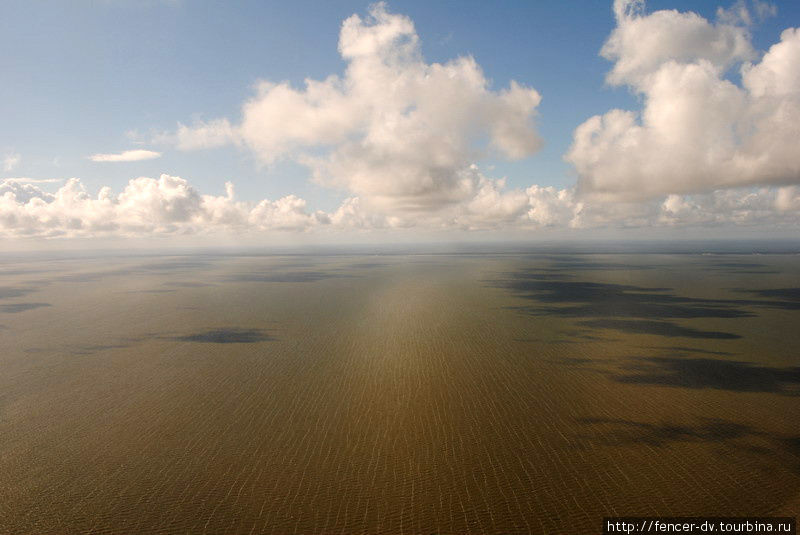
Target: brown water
<point>395,394</point>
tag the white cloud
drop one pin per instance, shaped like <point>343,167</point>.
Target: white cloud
<point>764,9</point>
<point>740,207</point>
<point>145,207</point>
<point>22,191</point>
<point>171,206</point>
<point>288,213</point>
<point>126,156</point>
<point>394,130</point>
<point>11,161</point>
<point>26,180</point>
<point>698,131</point>
<point>641,43</point>
<point>401,136</point>
<point>206,135</point>
<point>740,13</point>
<point>787,199</point>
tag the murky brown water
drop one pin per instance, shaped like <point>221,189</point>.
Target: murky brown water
<point>396,394</point>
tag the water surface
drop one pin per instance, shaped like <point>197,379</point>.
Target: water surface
<point>498,393</point>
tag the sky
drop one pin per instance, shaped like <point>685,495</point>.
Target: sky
<point>260,122</point>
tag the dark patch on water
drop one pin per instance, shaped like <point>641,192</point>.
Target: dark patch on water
<point>623,432</point>
<point>91,349</point>
<point>748,272</point>
<point>187,284</point>
<point>545,341</point>
<point>636,309</point>
<point>288,265</point>
<point>575,263</point>
<point>659,328</point>
<point>230,335</point>
<point>792,444</point>
<point>16,308</point>
<point>742,268</point>
<point>165,267</point>
<point>787,298</point>
<point>176,265</point>
<point>569,337</point>
<point>592,299</point>
<point>574,361</point>
<point>94,276</point>
<point>682,349</point>
<point>7,292</point>
<point>700,373</point>
<point>369,265</point>
<point>770,447</point>
<point>14,272</point>
<point>737,265</point>
<point>537,276</point>
<point>299,276</point>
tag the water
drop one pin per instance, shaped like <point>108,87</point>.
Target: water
<point>497,393</point>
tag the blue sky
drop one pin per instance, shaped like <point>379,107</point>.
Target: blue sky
<point>87,77</point>
<point>85,73</point>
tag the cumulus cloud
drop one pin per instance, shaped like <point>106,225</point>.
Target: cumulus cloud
<point>394,130</point>
<point>740,13</point>
<point>401,136</point>
<point>640,43</point>
<point>698,130</point>
<point>202,135</point>
<point>126,156</point>
<point>787,199</point>
<point>170,205</point>
<point>26,180</point>
<point>21,191</point>
<point>11,161</point>
<point>145,207</point>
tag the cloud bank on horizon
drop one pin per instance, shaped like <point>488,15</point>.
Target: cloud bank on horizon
<point>403,138</point>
